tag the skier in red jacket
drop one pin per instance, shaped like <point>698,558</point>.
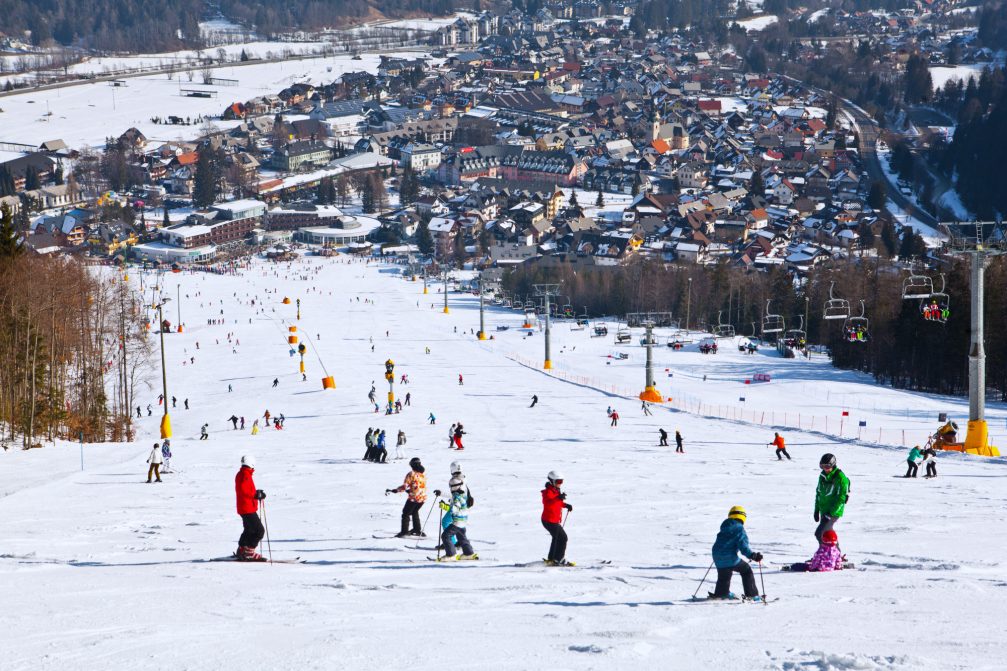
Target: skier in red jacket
<point>248,508</point>
<point>553,503</point>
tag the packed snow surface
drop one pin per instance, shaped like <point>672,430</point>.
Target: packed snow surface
<point>103,571</point>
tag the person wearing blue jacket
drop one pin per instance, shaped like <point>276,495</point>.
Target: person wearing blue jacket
<point>731,540</point>
<point>454,532</point>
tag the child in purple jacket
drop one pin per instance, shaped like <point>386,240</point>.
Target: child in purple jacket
<point>827,558</point>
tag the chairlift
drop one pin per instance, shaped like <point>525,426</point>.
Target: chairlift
<point>917,286</point>
<point>600,330</point>
<point>836,308</point>
<point>622,336</point>
<point>796,337</point>
<point>723,330</point>
<point>937,308</point>
<point>857,329</point>
<point>772,323</point>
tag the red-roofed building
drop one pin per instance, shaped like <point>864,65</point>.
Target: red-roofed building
<point>711,107</point>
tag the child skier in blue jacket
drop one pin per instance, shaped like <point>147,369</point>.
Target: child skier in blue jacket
<point>731,540</point>
<point>454,522</point>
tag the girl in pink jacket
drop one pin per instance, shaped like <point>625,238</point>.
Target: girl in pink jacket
<point>827,558</point>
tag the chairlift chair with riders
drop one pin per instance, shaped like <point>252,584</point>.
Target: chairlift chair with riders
<point>797,337</point>
<point>622,336</point>
<point>836,308</point>
<point>600,330</point>
<point>937,308</point>
<point>857,329</point>
<point>917,286</point>
<point>772,323</point>
<point>722,330</point>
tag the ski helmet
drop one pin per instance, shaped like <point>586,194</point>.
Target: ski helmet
<point>456,484</point>
<point>248,460</point>
<point>555,477</point>
<point>830,537</point>
<point>414,462</point>
<point>737,513</point>
<point>828,459</point>
<point>456,468</point>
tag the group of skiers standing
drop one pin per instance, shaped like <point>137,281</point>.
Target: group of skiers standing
<point>377,451</point>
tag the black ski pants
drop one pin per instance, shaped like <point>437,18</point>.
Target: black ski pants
<point>557,549</point>
<point>913,468</point>
<point>826,522</point>
<point>783,451</point>
<point>932,469</point>
<point>724,576</point>
<point>678,446</point>
<point>253,531</point>
<point>411,513</point>
<point>664,441</point>
<point>458,533</point>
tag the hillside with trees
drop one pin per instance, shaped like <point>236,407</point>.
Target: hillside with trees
<point>140,26</point>
<point>903,350</point>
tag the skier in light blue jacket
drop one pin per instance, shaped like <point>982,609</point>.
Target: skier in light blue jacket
<point>457,512</point>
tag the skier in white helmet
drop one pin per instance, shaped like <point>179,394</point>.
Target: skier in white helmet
<point>456,514</point>
<point>553,503</point>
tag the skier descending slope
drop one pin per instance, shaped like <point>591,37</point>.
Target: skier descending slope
<point>731,540</point>
<point>415,485</point>
<point>553,503</point>
<point>248,508</point>
<point>457,510</point>
<point>831,495</point>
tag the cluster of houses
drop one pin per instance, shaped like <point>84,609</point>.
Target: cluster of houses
<point>537,143</point>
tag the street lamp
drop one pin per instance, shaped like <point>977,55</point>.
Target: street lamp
<point>166,420</point>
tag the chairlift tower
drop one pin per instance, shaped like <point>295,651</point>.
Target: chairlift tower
<point>978,240</point>
<point>445,273</point>
<point>482,311</point>
<point>650,392</point>
<point>547,290</point>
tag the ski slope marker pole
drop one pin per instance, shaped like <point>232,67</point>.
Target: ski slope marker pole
<point>265,523</point>
<point>703,580</point>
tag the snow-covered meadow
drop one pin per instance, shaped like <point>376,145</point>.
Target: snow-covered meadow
<point>88,113</point>
<point>103,571</point>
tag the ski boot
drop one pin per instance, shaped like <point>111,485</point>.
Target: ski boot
<point>731,596</point>
<point>418,534</point>
<point>471,557</point>
<point>248,554</point>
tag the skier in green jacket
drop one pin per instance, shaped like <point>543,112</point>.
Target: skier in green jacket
<point>915,455</point>
<point>831,496</point>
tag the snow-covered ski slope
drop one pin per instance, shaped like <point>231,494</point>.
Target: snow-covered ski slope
<point>99,570</point>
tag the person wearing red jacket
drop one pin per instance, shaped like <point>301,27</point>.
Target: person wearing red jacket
<point>248,498</point>
<point>553,503</point>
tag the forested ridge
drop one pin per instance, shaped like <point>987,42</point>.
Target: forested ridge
<point>143,26</point>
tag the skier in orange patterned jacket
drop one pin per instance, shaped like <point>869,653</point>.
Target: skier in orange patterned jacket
<point>415,485</point>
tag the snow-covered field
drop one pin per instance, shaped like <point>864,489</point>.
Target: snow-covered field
<point>941,74</point>
<point>103,571</point>
<point>87,114</point>
<point>757,23</point>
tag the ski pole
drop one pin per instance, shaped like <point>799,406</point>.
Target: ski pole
<point>763,581</point>
<point>430,512</point>
<point>565,518</point>
<point>440,522</point>
<point>703,580</point>
<point>265,523</point>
